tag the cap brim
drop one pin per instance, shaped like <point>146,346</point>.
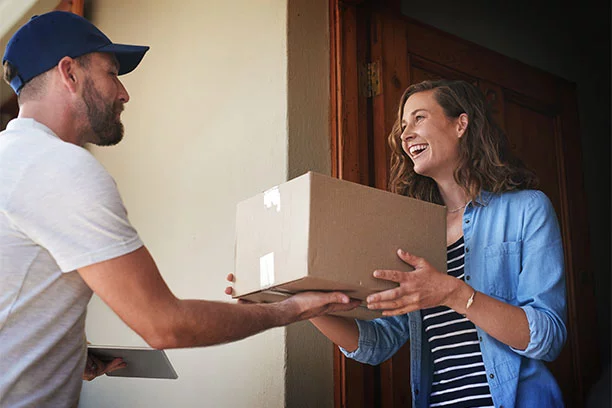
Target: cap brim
<point>128,56</point>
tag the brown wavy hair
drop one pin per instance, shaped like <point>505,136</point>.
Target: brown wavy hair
<point>485,159</point>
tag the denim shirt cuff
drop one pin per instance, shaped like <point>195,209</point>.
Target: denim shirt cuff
<point>534,333</point>
<point>366,340</point>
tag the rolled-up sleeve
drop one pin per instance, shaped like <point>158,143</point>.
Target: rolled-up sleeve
<point>379,339</point>
<point>541,287</point>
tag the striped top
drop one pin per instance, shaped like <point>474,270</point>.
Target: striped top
<point>459,376</point>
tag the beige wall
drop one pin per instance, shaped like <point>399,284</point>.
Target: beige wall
<point>232,98</point>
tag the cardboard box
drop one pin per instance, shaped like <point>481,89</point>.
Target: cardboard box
<point>320,233</point>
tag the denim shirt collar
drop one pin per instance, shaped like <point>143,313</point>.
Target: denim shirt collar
<point>483,198</point>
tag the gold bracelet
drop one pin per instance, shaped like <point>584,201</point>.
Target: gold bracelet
<point>470,301</point>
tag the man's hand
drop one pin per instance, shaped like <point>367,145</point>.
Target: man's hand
<point>96,367</point>
<point>307,305</point>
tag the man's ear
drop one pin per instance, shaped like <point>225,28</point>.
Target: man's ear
<point>462,124</point>
<point>69,73</point>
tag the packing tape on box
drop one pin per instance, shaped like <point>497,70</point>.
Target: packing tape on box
<point>266,270</point>
<point>272,198</point>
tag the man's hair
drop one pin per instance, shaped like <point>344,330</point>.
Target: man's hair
<point>34,87</point>
<point>485,159</point>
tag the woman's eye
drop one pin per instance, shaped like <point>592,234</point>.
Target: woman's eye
<point>419,118</point>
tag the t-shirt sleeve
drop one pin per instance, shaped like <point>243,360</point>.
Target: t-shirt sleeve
<point>67,203</point>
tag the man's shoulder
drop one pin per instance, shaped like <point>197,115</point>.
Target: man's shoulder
<point>39,163</point>
<point>38,149</point>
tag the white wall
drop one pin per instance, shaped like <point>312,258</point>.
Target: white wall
<point>207,126</point>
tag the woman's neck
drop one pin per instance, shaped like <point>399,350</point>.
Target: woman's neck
<point>453,195</point>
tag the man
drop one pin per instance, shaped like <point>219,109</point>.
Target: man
<point>64,231</point>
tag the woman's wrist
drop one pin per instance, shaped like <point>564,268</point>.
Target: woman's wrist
<point>460,297</point>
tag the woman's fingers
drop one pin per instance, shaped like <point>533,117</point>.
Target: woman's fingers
<point>405,302</point>
<point>412,260</point>
<point>386,295</point>
<point>390,275</point>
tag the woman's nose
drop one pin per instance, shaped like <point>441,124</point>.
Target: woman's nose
<point>406,135</point>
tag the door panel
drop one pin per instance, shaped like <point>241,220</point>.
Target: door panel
<point>534,140</point>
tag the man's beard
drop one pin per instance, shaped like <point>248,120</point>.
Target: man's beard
<point>103,117</point>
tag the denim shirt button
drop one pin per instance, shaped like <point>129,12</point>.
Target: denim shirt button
<point>480,339</point>
<point>416,392</point>
<point>467,249</point>
<point>491,375</point>
<point>467,221</point>
<point>467,277</point>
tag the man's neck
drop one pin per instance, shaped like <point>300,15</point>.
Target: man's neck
<point>58,120</point>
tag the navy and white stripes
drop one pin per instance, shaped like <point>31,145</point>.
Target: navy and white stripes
<point>459,376</point>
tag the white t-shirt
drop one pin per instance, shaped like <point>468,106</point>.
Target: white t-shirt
<point>59,211</point>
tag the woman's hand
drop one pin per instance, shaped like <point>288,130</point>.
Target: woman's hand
<point>96,367</point>
<point>422,288</point>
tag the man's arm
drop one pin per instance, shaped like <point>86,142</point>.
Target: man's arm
<point>132,287</point>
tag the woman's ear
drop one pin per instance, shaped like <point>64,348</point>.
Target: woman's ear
<point>67,69</point>
<point>462,124</point>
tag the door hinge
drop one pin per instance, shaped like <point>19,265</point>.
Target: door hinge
<point>369,79</point>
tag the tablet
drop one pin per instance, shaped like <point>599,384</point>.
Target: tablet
<point>141,362</point>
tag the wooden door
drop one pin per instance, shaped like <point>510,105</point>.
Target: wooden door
<point>538,112</point>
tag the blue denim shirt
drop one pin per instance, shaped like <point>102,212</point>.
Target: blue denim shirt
<point>514,253</point>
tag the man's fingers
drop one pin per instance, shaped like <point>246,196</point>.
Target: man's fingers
<point>229,290</point>
<point>93,367</point>
<point>116,364</point>
<point>317,299</point>
<point>312,300</point>
<point>343,307</point>
<point>96,364</point>
<point>338,297</point>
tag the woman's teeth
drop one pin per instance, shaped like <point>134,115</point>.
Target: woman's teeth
<point>417,149</point>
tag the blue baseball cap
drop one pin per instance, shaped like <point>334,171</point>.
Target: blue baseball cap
<point>43,41</point>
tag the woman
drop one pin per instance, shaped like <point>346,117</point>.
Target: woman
<point>479,333</point>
